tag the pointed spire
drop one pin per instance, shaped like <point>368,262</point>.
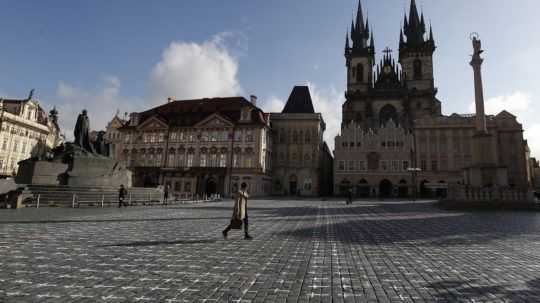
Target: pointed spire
<point>372,41</point>
<point>431,33</point>
<point>360,18</point>
<point>405,22</point>
<point>413,14</point>
<point>347,45</point>
<point>401,39</point>
<point>352,30</point>
<point>367,24</point>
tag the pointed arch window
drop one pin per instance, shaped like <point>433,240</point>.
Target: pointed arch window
<point>417,69</point>
<point>359,72</point>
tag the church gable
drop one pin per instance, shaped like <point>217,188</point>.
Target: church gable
<point>154,123</point>
<point>215,120</point>
<point>505,115</point>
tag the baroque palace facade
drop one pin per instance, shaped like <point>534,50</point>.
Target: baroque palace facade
<point>198,147</point>
<point>212,146</point>
<point>26,131</point>
<point>394,139</point>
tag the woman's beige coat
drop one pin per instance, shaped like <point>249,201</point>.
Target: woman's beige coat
<point>240,205</point>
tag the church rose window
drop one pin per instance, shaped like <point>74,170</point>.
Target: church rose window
<point>388,112</point>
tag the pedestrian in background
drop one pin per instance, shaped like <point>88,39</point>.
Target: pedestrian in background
<point>122,192</point>
<point>349,195</point>
<point>240,214</point>
<point>166,194</point>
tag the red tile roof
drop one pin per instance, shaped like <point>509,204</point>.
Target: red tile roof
<point>186,113</point>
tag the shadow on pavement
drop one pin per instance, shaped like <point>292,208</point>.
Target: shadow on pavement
<point>158,243</point>
<point>454,290</point>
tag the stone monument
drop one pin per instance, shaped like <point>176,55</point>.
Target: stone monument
<point>76,164</point>
<point>484,170</point>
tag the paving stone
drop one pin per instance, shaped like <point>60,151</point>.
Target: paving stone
<point>303,251</point>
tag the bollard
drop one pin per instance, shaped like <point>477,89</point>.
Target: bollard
<point>38,198</point>
<point>73,202</point>
<point>102,200</point>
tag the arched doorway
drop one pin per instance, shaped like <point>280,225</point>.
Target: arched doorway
<point>211,187</point>
<point>385,189</point>
<point>293,185</point>
<point>403,189</point>
<point>362,189</point>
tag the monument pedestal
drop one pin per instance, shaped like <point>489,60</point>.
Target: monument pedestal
<point>96,171</point>
<point>485,171</point>
<point>76,167</point>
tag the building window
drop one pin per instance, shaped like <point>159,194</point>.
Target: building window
<point>351,166</point>
<point>249,136</point>
<point>15,145</point>
<point>170,160</point>
<point>181,160</point>
<point>249,161</point>
<point>362,166</point>
<point>308,137</point>
<point>235,160</point>
<point>190,160</point>
<point>359,73</point>
<point>5,144</point>
<point>238,136</point>
<point>405,165</point>
<point>417,69</point>
<point>213,160</point>
<point>434,166</point>
<point>295,137</point>
<point>187,187</point>
<point>341,165</point>
<point>384,165</point>
<point>395,165</point>
<point>23,149</point>
<point>223,160</point>
<point>423,164</point>
<point>307,185</point>
<point>202,161</point>
<point>173,136</point>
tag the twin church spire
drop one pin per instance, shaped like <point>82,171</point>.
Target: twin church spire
<point>413,34</point>
<point>360,35</point>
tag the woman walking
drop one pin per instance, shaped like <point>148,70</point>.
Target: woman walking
<point>240,214</point>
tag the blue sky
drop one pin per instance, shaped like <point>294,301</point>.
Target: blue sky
<point>104,55</point>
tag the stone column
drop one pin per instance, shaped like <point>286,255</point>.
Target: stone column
<point>476,64</point>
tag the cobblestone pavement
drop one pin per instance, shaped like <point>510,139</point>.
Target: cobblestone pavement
<point>303,251</point>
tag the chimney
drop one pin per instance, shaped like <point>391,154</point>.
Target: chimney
<point>133,119</point>
<point>170,99</point>
<point>253,100</point>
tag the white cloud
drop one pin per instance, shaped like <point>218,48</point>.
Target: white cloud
<point>273,105</point>
<point>517,102</point>
<point>191,71</point>
<point>521,105</point>
<point>102,102</point>
<point>328,102</point>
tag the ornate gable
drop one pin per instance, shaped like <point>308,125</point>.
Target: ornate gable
<point>215,121</point>
<point>153,123</point>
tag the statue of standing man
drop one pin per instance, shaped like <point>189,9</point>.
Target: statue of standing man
<point>81,132</point>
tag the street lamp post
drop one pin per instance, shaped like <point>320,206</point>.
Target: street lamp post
<point>414,171</point>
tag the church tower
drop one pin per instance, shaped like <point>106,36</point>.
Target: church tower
<point>360,55</point>
<point>416,52</point>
